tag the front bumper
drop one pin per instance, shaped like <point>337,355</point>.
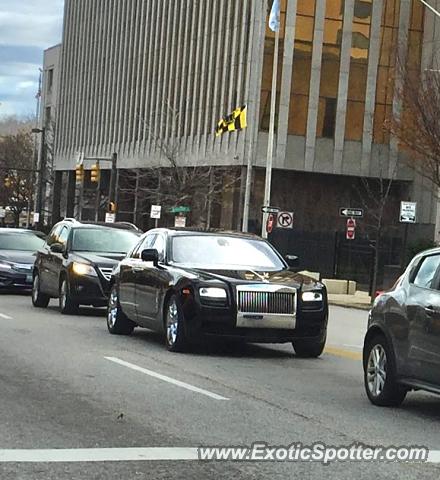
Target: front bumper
<point>87,290</point>
<point>222,322</point>
<point>15,279</point>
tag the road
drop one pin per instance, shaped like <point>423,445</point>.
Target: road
<point>65,383</point>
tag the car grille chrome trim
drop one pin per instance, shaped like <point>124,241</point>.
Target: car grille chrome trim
<point>22,267</point>
<point>266,306</point>
<point>259,300</point>
<point>106,272</point>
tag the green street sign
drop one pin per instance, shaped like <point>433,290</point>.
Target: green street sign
<point>180,210</point>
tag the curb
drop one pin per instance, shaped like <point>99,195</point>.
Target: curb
<point>359,306</point>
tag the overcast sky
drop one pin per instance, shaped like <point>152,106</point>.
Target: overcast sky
<point>27,27</point>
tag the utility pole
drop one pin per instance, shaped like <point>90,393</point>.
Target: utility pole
<point>40,178</point>
<point>114,171</point>
<point>274,24</point>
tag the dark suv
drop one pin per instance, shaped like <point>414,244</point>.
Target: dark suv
<point>76,262</point>
<point>402,344</point>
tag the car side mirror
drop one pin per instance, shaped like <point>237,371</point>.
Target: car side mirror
<point>150,255</point>
<point>292,261</point>
<point>57,248</point>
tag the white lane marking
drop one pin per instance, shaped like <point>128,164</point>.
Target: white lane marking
<point>98,455</point>
<point>173,381</point>
<point>6,317</point>
<point>117,455</point>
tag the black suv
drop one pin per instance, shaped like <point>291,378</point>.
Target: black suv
<point>76,262</point>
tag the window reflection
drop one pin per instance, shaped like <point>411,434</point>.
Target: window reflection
<point>357,83</point>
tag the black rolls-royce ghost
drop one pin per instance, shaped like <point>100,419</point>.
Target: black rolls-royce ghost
<point>189,284</point>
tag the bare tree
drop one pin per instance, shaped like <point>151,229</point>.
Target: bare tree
<point>417,128</point>
<point>16,152</point>
<point>375,195</point>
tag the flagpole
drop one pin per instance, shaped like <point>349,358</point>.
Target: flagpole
<point>271,139</point>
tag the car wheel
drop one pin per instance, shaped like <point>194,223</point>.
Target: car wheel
<point>39,299</point>
<point>117,322</point>
<point>380,374</point>
<point>67,305</point>
<point>306,348</point>
<point>176,340</point>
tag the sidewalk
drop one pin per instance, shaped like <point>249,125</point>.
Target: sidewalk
<point>359,300</point>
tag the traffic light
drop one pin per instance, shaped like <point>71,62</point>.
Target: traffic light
<point>112,207</point>
<point>95,173</point>
<point>79,171</point>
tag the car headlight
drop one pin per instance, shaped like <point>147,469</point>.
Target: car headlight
<point>5,266</point>
<point>312,297</point>
<point>213,293</point>
<point>83,269</point>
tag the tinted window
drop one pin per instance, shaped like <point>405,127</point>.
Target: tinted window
<point>103,240</point>
<point>147,242</point>
<point>426,273</point>
<point>64,235</point>
<point>54,234</point>
<point>225,253</point>
<point>27,242</point>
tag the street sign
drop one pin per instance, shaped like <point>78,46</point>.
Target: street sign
<point>180,222</point>
<point>350,233</point>
<point>36,217</point>
<point>285,220</point>
<point>270,209</point>
<point>110,217</point>
<point>351,212</point>
<point>408,212</point>
<point>180,210</point>
<point>2,212</point>
<point>269,223</point>
<point>156,211</point>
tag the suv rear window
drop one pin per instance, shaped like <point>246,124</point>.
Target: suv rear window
<point>103,240</point>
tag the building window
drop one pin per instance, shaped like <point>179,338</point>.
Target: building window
<point>331,57</point>
<point>49,80</point>
<point>47,116</point>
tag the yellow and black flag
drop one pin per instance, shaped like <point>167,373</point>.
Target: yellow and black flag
<point>235,121</point>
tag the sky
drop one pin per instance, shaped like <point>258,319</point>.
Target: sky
<point>27,27</point>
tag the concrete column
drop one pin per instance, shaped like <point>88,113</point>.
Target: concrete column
<point>286,82</point>
<point>344,73</point>
<point>315,83</point>
<point>56,198</point>
<point>71,186</point>
<point>402,50</point>
<point>370,96</point>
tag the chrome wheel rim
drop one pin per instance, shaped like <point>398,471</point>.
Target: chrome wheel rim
<point>376,370</point>
<point>35,288</point>
<point>112,308</point>
<point>172,323</point>
<point>63,295</point>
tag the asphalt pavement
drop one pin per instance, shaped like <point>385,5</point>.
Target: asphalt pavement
<point>65,383</point>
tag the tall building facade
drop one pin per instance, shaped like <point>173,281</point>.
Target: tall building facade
<point>137,73</point>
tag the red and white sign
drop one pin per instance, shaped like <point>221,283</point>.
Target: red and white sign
<point>270,222</point>
<point>350,233</point>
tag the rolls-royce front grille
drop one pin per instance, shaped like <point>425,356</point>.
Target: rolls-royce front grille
<point>267,302</point>
<point>106,272</point>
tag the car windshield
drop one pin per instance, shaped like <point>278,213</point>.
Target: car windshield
<point>103,240</point>
<point>224,253</point>
<point>26,241</point>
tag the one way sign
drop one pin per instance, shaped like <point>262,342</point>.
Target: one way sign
<point>351,212</point>
<point>285,220</point>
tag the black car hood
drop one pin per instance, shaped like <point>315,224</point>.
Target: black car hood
<point>18,256</point>
<point>101,259</point>
<point>283,277</point>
